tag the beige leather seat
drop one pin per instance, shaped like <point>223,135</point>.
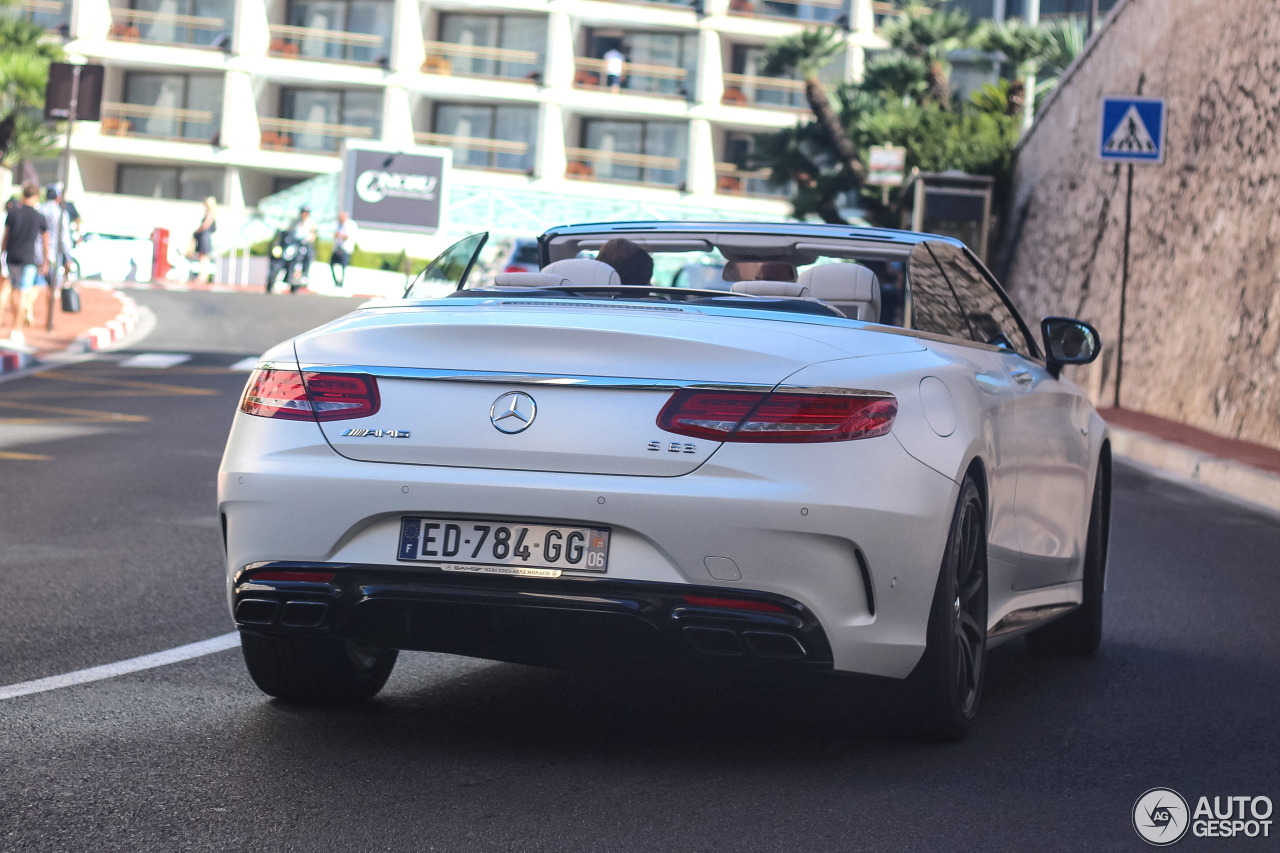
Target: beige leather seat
<point>584,271</point>
<point>851,289</point>
<point>529,279</point>
<point>762,287</point>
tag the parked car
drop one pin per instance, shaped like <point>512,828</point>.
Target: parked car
<point>558,469</point>
<point>523,257</point>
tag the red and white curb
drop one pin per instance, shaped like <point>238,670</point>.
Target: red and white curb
<point>101,337</point>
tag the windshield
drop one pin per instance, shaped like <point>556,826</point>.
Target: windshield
<point>449,271</point>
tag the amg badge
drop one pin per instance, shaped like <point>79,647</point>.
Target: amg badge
<point>376,433</point>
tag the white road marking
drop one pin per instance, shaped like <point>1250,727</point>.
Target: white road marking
<point>156,360</point>
<point>124,667</point>
<point>245,364</point>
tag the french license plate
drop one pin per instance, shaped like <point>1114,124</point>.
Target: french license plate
<point>503,547</point>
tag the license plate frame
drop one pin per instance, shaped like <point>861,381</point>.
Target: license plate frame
<point>473,546</point>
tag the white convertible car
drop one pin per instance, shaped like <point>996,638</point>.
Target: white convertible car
<point>862,463</point>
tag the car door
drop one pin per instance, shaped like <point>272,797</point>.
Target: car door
<point>1047,442</point>
<point>932,306</point>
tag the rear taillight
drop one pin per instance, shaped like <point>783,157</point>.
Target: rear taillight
<point>777,417</point>
<point>305,396</point>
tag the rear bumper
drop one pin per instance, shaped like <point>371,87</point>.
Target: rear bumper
<point>553,622</point>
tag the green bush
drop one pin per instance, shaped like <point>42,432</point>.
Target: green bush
<point>389,261</point>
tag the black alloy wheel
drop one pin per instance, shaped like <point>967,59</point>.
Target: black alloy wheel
<point>946,686</point>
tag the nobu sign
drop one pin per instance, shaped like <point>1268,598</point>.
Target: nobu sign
<point>395,190</point>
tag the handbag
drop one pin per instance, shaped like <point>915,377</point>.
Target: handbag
<point>70,300</point>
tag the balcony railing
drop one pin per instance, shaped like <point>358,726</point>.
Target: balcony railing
<point>471,152</point>
<point>591,164</point>
<point>161,28</point>
<point>481,61</point>
<point>50,14</point>
<point>731,180</point>
<point>286,134</point>
<point>815,11</point>
<point>184,125</point>
<point>636,78</point>
<point>768,92</point>
<point>883,12</point>
<point>331,45</point>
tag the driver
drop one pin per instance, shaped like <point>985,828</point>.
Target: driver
<point>632,263</point>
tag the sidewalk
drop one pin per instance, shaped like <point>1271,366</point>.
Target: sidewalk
<point>1244,471</point>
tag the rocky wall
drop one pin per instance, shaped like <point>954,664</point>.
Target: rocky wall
<point>1202,324</point>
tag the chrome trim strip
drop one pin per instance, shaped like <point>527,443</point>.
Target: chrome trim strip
<point>433,374</point>
<point>1028,617</point>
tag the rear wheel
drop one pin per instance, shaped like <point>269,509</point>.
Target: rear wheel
<point>318,671</point>
<point>945,687</point>
<point>1079,633</point>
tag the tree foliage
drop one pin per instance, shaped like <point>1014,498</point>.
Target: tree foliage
<point>25,53</point>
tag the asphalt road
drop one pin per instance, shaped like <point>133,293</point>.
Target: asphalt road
<point>109,549</point>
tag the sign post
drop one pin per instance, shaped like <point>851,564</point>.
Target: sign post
<point>396,189</point>
<point>888,165</point>
<point>73,92</point>
<point>1132,131</point>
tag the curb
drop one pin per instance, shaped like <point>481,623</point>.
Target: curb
<point>1225,476</point>
<point>100,337</point>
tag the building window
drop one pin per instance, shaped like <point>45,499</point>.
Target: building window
<point>487,137</point>
<point>657,63</point>
<point>173,182</point>
<point>493,45</point>
<point>650,152</point>
<point>319,119</point>
<point>341,30</point>
<point>204,23</point>
<point>171,106</point>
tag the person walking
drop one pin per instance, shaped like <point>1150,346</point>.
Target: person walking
<point>59,229</point>
<point>304,231</point>
<point>25,233</point>
<point>344,242</point>
<point>203,238</point>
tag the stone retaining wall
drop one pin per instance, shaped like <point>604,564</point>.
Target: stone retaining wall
<point>1202,342</point>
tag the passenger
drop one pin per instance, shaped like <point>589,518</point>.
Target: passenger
<point>632,263</point>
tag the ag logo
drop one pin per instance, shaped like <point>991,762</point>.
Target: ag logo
<point>1160,816</point>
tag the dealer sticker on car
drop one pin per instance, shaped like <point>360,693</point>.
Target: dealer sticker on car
<point>503,548</point>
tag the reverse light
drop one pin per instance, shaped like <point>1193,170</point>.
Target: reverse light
<point>759,416</point>
<point>302,396</point>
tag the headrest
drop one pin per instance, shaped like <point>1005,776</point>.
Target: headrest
<point>529,279</point>
<point>789,289</point>
<point>584,271</point>
<point>851,288</point>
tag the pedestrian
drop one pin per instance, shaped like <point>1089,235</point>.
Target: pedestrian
<point>25,234</point>
<point>632,263</point>
<point>344,242</point>
<point>304,231</point>
<point>203,239</point>
<point>613,65</point>
<point>59,228</point>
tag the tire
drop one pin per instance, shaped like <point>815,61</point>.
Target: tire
<point>316,671</point>
<point>272,273</point>
<point>944,689</point>
<point>1079,633</point>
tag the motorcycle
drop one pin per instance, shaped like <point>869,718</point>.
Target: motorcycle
<point>288,257</point>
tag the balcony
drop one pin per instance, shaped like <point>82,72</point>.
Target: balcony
<point>139,120</point>
<point>883,12</point>
<point>170,29</point>
<point>293,42</point>
<point>732,180</point>
<point>481,61</point>
<point>472,152</point>
<point>775,93</point>
<point>806,11</point>
<point>50,14</point>
<point>285,134</point>
<point>637,79</point>
<point>591,164</point>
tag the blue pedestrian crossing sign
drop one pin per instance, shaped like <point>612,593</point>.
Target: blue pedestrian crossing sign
<point>1132,130</point>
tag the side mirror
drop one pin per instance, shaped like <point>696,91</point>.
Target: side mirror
<point>1068,341</point>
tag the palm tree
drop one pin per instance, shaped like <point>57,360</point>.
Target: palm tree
<point>805,53</point>
<point>897,76</point>
<point>1024,47</point>
<point>926,32</point>
<point>25,54</point>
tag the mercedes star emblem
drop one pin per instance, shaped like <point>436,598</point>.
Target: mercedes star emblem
<point>513,412</point>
